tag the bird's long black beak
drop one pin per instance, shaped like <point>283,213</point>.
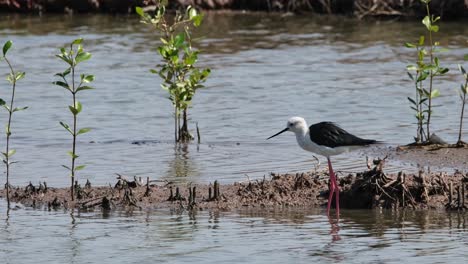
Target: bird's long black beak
<point>282,131</point>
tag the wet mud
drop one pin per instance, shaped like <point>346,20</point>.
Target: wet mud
<point>372,188</point>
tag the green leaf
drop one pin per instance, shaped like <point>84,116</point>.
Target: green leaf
<point>77,168</point>
<point>410,45</point>
<point>7,130</point>
<point>140,11</point>
<point>6,47</point>
<point>435,93</point>
<point>422,76</point>
<point>66,167</point>
<point>427,22</point>
<point>20,75</point>
<point>62,84</point>
<point>410,76</point>
<point>87,78</point>
<point>67,127</point>
<point>411,68</point>
<point>443,70</point>
<point>411,100</point>
<point>64,58</point>
<point>11,152</point>
<point>73,110</point>
<point>197,20</point>
<point>465,57</point>
<point>463,89</point>
<point>84,130</point>
<point>77,41</point>
<point>179,40</point>
<point>20,109</point>
<point>434,28</point>
<point>2,102</point>
<point>84,88</point>
<point>66,72</point>
<point>192,12</point>
<point>10,78</point>
<point>82,56</point>
<point>421,41</point>
<point>460,67</point>
<point>78,106</point>
<point>72,154</point>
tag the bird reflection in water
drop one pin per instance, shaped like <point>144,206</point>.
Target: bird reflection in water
<point>334,229</point>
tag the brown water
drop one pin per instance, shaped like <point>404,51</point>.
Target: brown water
<point>266,68</point>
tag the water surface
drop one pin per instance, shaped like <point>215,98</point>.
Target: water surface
<point>266,68</point>
<point>251,236</point>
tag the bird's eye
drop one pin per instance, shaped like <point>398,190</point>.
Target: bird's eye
<point>290,124</point>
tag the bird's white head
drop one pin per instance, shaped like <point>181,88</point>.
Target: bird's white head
<point>295,124</point>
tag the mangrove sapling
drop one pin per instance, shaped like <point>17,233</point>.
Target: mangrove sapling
<point>73,55</point>
<point>463,92</point>
<point>419,98</point>
<point>13,77</point>
<point>426,69</point>
<point>181,78</point>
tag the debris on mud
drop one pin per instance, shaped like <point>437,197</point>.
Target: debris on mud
<point>369,189</point>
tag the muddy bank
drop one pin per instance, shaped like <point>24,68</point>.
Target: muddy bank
<point>369,189</point>
<point>436,157</point>
<point>448,9</point>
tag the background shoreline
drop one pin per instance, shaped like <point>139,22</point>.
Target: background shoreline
<point>447,9</point>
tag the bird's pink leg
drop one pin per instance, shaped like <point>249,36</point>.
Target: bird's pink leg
<point>331,187</point>
<point>335,187</point>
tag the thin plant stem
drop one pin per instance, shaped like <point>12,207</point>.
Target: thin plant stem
<point>421,133</point>
<point>431,76</point>
<point>8,134</point>
<point>72,188</point>
<point>462,112</point>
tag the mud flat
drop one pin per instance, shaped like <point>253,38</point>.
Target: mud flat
<point>369,189</point>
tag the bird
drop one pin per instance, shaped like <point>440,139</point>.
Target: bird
<point>326,139</point>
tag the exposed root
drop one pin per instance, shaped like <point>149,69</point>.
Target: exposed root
<point>370,189</point>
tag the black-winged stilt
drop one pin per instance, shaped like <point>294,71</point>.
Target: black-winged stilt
<point>326,139</point>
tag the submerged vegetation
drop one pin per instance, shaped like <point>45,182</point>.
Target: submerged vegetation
<point>13,77</point>
<point>73,55</point>
<point>178,71</point>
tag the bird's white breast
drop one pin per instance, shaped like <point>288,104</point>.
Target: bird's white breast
<point>303,139</point>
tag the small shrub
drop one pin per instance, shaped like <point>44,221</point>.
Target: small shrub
<point>13,77</point>
<point>73,55</point>
<point>181,78</point>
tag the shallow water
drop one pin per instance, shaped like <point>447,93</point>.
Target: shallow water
<point>251,236</point>
<point>266,68</point>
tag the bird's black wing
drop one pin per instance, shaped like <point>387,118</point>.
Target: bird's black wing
<point>331,135</point>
